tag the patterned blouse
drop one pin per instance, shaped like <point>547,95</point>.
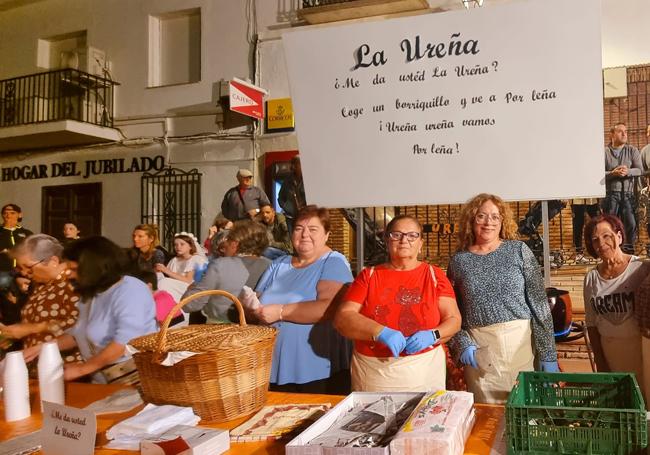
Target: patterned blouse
<point>501,286</point>
<point>55,302</point>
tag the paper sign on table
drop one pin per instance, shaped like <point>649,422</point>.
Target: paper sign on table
<point>68,430</point>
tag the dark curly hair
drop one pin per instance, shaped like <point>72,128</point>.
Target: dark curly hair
<point>101,264</point>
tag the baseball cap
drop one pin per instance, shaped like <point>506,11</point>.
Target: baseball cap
<point>13,207</point>
<point>244,173</point>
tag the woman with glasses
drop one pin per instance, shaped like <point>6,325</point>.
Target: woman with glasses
<point>612,291</point>
<point>116,308</point>
<point>398,314</point>
<point>51,307</point>
<point>501,295</point>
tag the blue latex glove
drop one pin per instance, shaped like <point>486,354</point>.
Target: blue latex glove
<point>393,339</point>
<point>420,340</point>
<point>468,357</point>
<point>199,272</point>
<point>550,367</point>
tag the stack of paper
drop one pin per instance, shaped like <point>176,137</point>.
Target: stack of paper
<point>151,422</point>
<point>184,440</point>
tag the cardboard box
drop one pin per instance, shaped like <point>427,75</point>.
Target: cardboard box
<point>299,445</point>
<point>439,425</point>
<point>186,440</point>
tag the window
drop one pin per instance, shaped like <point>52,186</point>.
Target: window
<point>175,48</point>
<point>63,51</point>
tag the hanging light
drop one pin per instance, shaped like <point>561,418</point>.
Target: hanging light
<point>474,3</point>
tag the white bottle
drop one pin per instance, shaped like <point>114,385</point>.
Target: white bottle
<point>50,374</point>
<point>16,387</point>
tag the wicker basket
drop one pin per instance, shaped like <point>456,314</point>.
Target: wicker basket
<point>227,379</point>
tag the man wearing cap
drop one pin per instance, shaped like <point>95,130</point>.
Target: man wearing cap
<point>243,202</point>
<point>11,234</point>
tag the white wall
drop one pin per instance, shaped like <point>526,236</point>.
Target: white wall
<point>120,27</point>
<point>625,32</point>
<point>120,192</point>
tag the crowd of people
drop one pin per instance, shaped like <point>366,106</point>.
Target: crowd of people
<point>396,326</point>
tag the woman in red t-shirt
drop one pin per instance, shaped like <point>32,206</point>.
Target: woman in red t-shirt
<point>398,314</point>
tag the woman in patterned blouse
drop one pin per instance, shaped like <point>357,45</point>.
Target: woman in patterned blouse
<point>52,305</point>
<point>501,296</point>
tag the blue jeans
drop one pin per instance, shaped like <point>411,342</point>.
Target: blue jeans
<point>623,206</point>
<point>273,253</point>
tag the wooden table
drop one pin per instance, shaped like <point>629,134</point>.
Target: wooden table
<point>80,395</point>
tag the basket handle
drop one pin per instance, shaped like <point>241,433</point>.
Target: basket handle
<point>162,335</point>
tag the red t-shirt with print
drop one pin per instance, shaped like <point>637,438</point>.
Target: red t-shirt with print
<point>402,300</point>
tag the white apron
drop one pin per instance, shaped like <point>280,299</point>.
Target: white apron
<point>624,355</point>
<point>413,373</point>
<point>504,349</point>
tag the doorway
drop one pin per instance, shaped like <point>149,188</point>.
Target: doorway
<point>80,204</point>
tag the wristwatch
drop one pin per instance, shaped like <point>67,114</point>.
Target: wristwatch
<point>436,336</point>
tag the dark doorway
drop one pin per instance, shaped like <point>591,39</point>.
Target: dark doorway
<point>80,204</point>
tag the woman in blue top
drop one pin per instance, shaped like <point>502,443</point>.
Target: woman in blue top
<point>297,295</point>
<point>116,308</point>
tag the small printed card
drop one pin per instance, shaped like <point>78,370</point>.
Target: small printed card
<point>278,422</point>
<point>68,430</point>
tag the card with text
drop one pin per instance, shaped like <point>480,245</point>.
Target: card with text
<point>68,430</point>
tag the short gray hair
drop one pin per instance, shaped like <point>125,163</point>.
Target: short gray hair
<point>40,247</point>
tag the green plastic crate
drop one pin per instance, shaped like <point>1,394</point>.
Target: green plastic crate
<point>575,413</point>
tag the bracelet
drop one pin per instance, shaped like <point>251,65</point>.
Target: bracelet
<point>376,334</point>
<point>281,309</point>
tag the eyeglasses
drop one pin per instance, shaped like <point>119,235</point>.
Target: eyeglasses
<point>30,267</point>
<point>492,217</point>
<point>397,235</point>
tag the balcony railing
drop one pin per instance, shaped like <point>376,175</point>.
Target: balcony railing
<point>66,94</point>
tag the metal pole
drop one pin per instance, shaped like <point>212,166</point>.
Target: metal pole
<point>546,251</point>
<point>361,238</point>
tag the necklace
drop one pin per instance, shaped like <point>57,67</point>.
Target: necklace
<point>614,270</point>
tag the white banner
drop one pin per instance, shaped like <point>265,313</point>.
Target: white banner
<point>436,108</point>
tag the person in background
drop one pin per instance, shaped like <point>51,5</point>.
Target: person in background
<point>219,224</point>
<point>243,202</point>
<point>622,162</point>
<point>179,272</point>
<point>501,296</point>
<point>70,232</point>
<point>299,295</point>
<point>292,192</point>
<point>642,314</point>
<point>580,207</point>
<point>164,300</point>
<point>14,291</point>
<point>644,208</point>
<point>399,314</point>
<point>146,252</point>
<point>240,266</point>
<point>51,306</point>
<point>611,295</point>
<point>115,309</point>
<point>277,231</point>
<point>645,152</point>
<point>11,234</point>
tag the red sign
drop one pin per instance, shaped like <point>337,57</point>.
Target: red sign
<point>247,99</point>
